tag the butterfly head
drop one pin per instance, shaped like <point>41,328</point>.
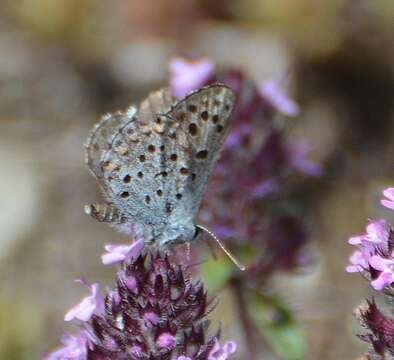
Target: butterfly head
<point>179,233</point>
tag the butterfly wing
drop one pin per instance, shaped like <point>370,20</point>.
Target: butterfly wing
<point>203,121</point>
<point>135,164</point>
<point>157,162</point>
<point>100,139</point>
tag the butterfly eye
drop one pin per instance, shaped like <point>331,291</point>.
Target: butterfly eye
<point>197,231</point>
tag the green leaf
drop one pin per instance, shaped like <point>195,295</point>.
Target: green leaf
<point>278,327</point>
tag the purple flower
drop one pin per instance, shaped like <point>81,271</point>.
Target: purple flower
<point>119,253</point>
<point>130,282</point>
<point>356,240</point>
<point>161,314</point>
<point>374,254</point>
<point>75,347</point>
<point>189,75</point>
<point>166,340</point>
<point>389,202</point>
<point>386,268</point>
<point>358,261</point>
<point>378,232</point>
<point>222,352</point>
<point>264,188</point>
<point>151,317</point>
<point>297,154</point>
<point>274,95</point>
<point>90,305</point>
<point>375,239</point>
<point>156,311</point>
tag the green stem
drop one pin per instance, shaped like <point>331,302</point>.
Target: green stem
<point>245,320</point>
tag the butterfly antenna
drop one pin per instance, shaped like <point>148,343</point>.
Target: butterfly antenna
<point>226,251</point>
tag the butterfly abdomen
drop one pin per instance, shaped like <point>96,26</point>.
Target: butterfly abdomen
<point>105,213</point>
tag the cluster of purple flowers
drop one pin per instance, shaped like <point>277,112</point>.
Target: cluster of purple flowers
<point>374,254</point>
<point>155,311</point>
<point>374,259</point>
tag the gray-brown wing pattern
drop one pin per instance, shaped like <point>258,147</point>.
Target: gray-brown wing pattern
<point>203,121</point>
<point>136,161</point>
<point>158,161</point>
<point>101,136</point>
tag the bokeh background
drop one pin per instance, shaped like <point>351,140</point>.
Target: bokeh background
<point>64,62</point>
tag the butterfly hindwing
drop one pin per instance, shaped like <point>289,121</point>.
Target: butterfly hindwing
<point>137,167</point>
<point>101,137</point>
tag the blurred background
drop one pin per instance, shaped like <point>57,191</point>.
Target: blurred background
<point>65,62</point>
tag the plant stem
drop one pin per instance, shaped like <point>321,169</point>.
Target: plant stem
<point>246,323</point>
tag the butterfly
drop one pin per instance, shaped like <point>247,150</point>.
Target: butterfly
<point>153,163</point>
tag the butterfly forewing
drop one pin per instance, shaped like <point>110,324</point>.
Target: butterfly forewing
<point>203,120</point>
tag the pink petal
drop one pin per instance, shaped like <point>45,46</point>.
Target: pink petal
<point>118,253</point>
<point>230,347</point>
<point>298,154</point>
<point>383,280</point>
<point>353,268</point>
<point>136,350</point>
<point>356,257</point>
<point>387,203</point>
<point>389,193</point>
<point>95,289</point>
<point>117,248</point>
<point>86,313</point>
<point>379,263</point>
<point>72,313</point>
<point>308,167</point>
<point>216,347</point>
<point>277,97</point>
<point>87,307</point>
<point>166,340</point>
<point>83,311</point>
<point>359,259</point>
<point>215,352</point>
<point>367,249</point>
<point>131,282</point>
<point>188,75</point>
<point>377,231</point>
<point>265,188</point>
<point>112,258</point>
<point>151,317</point>
<point>136,248</point>
<point>355,240</point>
<point>75,347</point>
